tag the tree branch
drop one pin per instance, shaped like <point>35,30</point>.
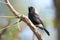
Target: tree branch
<point>25,19</point>
<point>12,9</point>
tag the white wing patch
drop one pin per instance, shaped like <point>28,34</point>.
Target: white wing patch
<point>40,25</point>
<point>36,10</point>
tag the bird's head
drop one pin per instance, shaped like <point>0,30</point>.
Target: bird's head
<point>31,9</point>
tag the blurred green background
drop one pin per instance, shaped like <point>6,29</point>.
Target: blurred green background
<point>46,11</point>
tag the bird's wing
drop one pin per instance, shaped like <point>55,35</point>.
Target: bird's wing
<point>37,19</point>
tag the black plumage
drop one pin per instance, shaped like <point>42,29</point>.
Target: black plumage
<point>34,17</point>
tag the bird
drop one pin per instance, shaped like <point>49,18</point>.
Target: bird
<point>34,17</point>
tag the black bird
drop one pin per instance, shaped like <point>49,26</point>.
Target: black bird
<point>34,17</point>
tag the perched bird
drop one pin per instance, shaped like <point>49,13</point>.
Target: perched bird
<point>34,17</point>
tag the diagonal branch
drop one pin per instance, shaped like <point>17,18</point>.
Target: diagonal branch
<point>12,9</point>
<point>25,19</point>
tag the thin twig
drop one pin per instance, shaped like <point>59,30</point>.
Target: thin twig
<point>3,31</point>
<point>7,16</point>
<point>3,2</point>
<point>17,33</point>
<point>8,26</point>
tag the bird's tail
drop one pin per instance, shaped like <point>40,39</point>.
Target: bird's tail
<point>44,30</point>
<point>47,32</point>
